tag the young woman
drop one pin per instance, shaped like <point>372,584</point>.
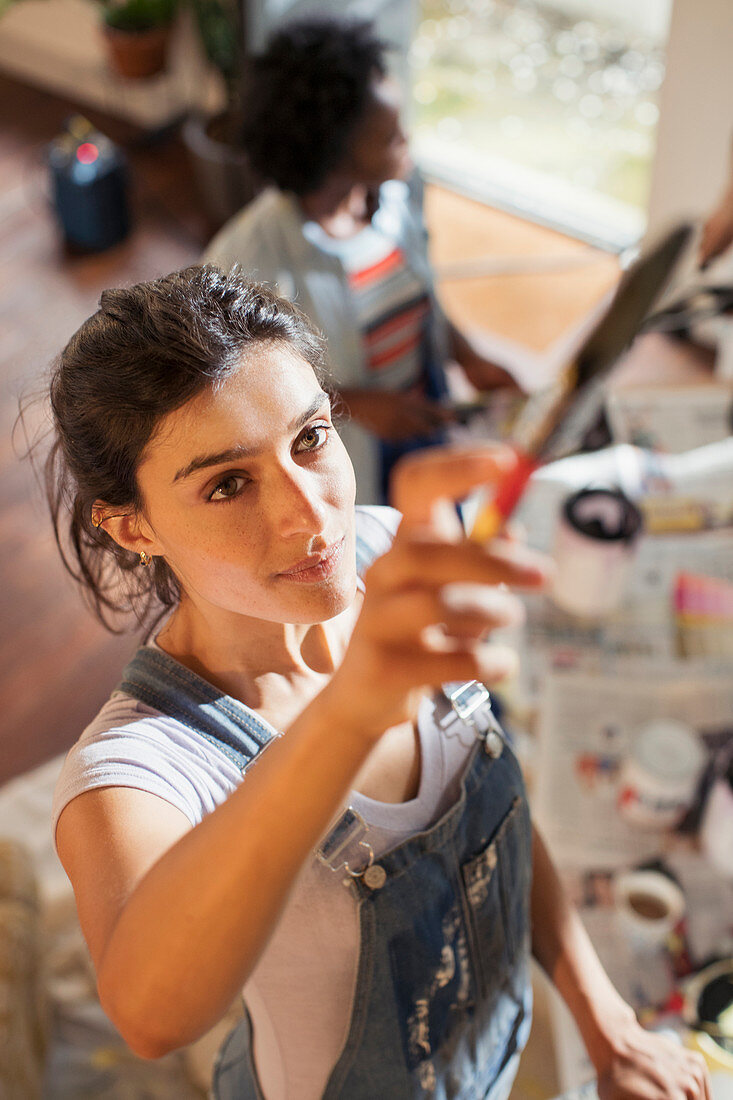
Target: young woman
<point>273,801</point>
<point>341,232</point>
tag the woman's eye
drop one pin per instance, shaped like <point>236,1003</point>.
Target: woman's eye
<point>313,437</point>
<point>228,487</point>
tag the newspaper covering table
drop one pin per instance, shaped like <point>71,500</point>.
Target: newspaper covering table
<point>587,688</point>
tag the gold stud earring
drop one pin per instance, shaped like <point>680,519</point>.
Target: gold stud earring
<point>144,559</point>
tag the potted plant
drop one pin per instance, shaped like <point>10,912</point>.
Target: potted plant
<point>137,33</point>
<point>223,173</point>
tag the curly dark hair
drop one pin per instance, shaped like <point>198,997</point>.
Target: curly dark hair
<point>148,350</point>
<point>307,94</point>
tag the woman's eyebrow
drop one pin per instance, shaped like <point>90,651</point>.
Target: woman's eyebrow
<point>300,421</point>
<point>234,454</point>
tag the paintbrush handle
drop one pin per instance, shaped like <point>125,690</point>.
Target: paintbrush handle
<point>495,512</point>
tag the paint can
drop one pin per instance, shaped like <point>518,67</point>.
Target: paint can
<point>595,543</point>
<point>660,775</point>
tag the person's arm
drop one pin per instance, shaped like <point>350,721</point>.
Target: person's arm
<point>397,416</point>
<point>631,1063</point>
<point>176,917</point>
<point>176,922</point>
<point>480,371</point>
<point>391,415</point>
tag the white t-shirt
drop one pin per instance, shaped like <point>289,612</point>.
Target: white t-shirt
<point>300,993</point>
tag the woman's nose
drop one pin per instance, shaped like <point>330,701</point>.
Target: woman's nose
<point>298,506</point>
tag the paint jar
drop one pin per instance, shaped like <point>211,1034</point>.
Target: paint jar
<point>595,543</point>
<point>708,1012</point>
<point>660,775</point>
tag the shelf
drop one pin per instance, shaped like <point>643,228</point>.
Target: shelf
<point>57,45</point>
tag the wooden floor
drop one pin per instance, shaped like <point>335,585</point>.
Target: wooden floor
<point>57,665</point>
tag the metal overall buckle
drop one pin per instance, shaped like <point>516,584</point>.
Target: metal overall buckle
<point>466,699</point>
<point>335,851</point>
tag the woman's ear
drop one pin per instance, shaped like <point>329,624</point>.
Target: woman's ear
<point>129,529</point>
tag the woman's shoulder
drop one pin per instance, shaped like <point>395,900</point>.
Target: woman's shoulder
<point>376,527</point>
<point>130,744</point>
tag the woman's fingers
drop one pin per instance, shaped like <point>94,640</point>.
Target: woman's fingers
<point>461,610</point>
<point>646,1065</point>
<point>428,562</point>
<point>435,593</point>
<point>472,661</point>
<point>427,476</point>
<point>397,676</point>
<point>495,603</point>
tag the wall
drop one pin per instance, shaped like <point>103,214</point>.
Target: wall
<point>696,120</point>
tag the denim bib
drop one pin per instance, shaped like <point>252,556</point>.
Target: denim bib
<point>442,1005</point>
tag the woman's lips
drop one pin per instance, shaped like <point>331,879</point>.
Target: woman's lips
<point>316,567</point>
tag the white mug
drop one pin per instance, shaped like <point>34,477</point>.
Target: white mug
<point>649,905</point>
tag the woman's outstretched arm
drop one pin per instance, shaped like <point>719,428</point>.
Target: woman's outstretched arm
<point>176,917</point>
<point>631,1063</point>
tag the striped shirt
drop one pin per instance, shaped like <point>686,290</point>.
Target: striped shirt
<point>392,307</point>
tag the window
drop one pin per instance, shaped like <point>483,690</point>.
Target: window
<point>547,107</point>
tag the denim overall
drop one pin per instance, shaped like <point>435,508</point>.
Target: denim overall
<point>442,1006</point>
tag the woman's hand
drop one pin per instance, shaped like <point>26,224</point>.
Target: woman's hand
<point>432,598</point>
<point>630,1063</point>
<point>639,1065</point>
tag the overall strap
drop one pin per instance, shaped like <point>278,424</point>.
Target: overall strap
<point>160,681</point>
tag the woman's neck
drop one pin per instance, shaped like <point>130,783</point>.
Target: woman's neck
<point>252,659</point>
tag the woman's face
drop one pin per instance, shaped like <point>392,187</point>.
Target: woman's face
<point>249,494</point>
<point>379,148</point>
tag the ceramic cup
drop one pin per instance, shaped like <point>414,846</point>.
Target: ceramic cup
<point>649,906</point>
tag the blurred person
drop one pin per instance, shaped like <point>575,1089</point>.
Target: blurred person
<point>341,232</point>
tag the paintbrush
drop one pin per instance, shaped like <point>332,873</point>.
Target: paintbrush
<point>553,422</point>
